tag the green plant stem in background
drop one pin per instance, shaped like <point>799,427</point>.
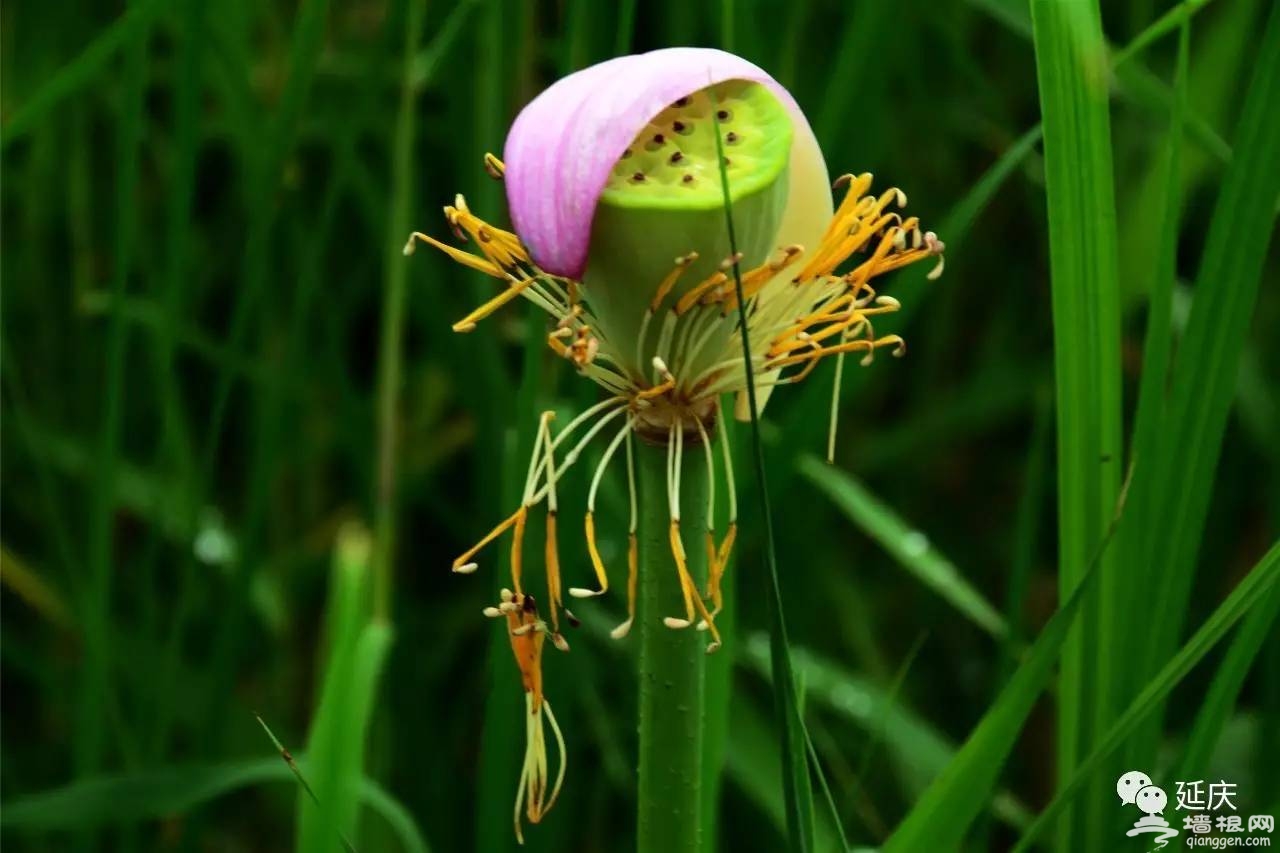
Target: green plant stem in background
<point>100,801</point>
<point>672,662</point>
<point>796,787</point>
<point>1255,587</point>
<point>1204,378</point>
<point>359,641</point>
<point>391,357</point>
<point>1071,66</point>
<point>91,743</point>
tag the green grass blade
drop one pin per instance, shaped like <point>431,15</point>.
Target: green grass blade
<point>832,808</point>
<point>867,28</point>
<point>913,290</point>
<point>1140,86</point>
<point>1135,80</point>
<point>905,543</point>
<point>391,335</point>
<point>754,765</point>
<point>280,135</point>
<point>1027,533</point>
<point>422,68</point>
<point>918,752</point>
<point>1177,17</point>
<point>942,816</point>
<point>169,791</point>
<point>1148,423</point>
<point>90,742</point>
<point>397,816</point>
<point>35,590</point>
<point>97,800</point>
<point>1220,699</point>
<point>1012,14</point>
<point>1213,98</point>
<point>626,27</point>
<point>1204,376</point>
<point>336,743</point>
<point>265,168</point>
<point>718,687</point>
<point>503,731</point>
<point>51,505</point>
<point>1249,593</point>
<point>81,71</point>
<point>727,20</point>
<point>292,764</point>
<point>797,788</point>
<point>1158,341</point>
<point>174,450</point>
<point>1072,70</point>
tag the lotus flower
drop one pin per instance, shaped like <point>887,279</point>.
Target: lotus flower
<point>617,180</point>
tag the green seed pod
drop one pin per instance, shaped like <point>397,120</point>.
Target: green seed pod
<point>664,200</point>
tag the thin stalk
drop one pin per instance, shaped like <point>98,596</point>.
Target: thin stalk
<point>672,662</point>
<point>726,24</point>
<point>91,743</point>
<point>797,791</point>
<point>626,27</point>
<point>391,357</point>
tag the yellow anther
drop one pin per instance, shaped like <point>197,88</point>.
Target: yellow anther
<point>633,574</point>
<point>465,258</point>
<point>552,555</point>
<point>601,575</point>
<point>664,287</point>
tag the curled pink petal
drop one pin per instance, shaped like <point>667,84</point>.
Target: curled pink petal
<point>564,144</point>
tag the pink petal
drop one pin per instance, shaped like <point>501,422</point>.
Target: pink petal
<point>563,145</point>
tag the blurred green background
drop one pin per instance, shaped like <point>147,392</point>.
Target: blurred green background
<point>228,398</point>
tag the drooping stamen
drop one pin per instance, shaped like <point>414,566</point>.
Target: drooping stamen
<point>573,455</point>
<point>463,565</point>
<point>601,575</point>
<point>673,511</point>
<point>517,548</point>
<point>689,591</point>
<point>716,574</point>
<point>711,489</point>
<point>710,534</point>
<point>835,409</point>
<point>552,551</point>
<point>633,549</point>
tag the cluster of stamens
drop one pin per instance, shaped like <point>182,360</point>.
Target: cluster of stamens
<point>797,317</point>
<point>665,386</point>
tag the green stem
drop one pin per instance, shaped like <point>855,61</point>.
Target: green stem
<point>391,356</point>
<point>671,661</point>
